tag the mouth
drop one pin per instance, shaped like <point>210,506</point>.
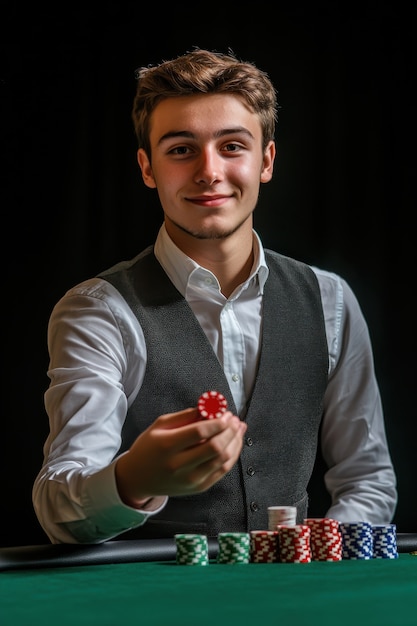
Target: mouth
<point>209,201</point>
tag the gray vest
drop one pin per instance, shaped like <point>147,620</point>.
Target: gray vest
<point>283,413</point>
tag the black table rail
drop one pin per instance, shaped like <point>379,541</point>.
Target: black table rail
<point>127,551</point>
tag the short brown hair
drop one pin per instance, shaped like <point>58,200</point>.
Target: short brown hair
<point>203,72</point>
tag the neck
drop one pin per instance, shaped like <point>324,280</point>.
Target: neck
<point>230,259</point>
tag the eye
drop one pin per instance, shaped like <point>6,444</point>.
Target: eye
<point>179,150</point>
<point>232,147</point>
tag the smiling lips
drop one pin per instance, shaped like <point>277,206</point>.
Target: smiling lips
<point>209,201</point>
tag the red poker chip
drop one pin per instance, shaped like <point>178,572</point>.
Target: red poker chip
<point>212,404</point>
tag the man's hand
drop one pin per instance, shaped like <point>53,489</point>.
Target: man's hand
<point>179,454</point>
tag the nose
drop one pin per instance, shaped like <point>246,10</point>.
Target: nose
<point>208,170</point>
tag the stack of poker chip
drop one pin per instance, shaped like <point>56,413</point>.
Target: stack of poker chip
<point>281,515</point>
<point>385,541</point>
<point>294,544</point>
<point>325,539</point>
<point>191,549</point>
<point>264,546</point>
<point>234,548</point>
<point>357,540</point>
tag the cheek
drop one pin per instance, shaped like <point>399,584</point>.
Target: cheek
<point>169,178</point>
<point>245,175</point>
<point>169,185</point>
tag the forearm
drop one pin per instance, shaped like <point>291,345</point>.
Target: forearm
<point>74,505</point>
<point>361,479</point>
<point>370,498</point>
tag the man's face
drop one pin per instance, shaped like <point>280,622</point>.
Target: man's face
<point>207,164</point>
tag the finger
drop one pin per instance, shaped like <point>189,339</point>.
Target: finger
<point>192,452</point>
<point>198,432</point>
<point>177,419</point>
<point>206,474</point>
<point>190,417</point>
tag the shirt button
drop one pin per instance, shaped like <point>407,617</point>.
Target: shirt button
<point>208,280</point>
<point>235,378</point>
<point>254,506</point>
<point>249,441</point>
<point>250,471</point>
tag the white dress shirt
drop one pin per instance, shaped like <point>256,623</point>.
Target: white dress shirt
<point>97,363</point>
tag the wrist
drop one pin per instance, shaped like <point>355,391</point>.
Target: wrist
<point>125,490</point>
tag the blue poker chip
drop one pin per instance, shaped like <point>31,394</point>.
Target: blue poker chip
<point>385,541</point>
<point>357,540</point>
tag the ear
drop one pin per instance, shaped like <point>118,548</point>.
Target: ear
<point>146,169</point>
<point>268,162</point>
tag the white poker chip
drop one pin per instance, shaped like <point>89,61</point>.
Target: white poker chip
<point>211,404</point>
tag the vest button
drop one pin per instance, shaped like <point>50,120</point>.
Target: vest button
<point>249,441</point>
<point>254,506</point>
<point>250,471</point>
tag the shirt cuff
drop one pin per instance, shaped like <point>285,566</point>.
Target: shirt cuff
<point>106,514</point>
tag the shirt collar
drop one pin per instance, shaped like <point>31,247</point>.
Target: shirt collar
<point>179,266</point>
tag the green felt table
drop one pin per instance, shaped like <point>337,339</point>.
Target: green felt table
<point>159,592</point>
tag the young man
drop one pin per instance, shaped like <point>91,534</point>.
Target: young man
<point>207,308</point>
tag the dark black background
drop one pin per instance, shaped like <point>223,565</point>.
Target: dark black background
<point>73,200</point>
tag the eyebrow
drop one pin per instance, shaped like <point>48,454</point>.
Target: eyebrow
<point>186,134</point>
